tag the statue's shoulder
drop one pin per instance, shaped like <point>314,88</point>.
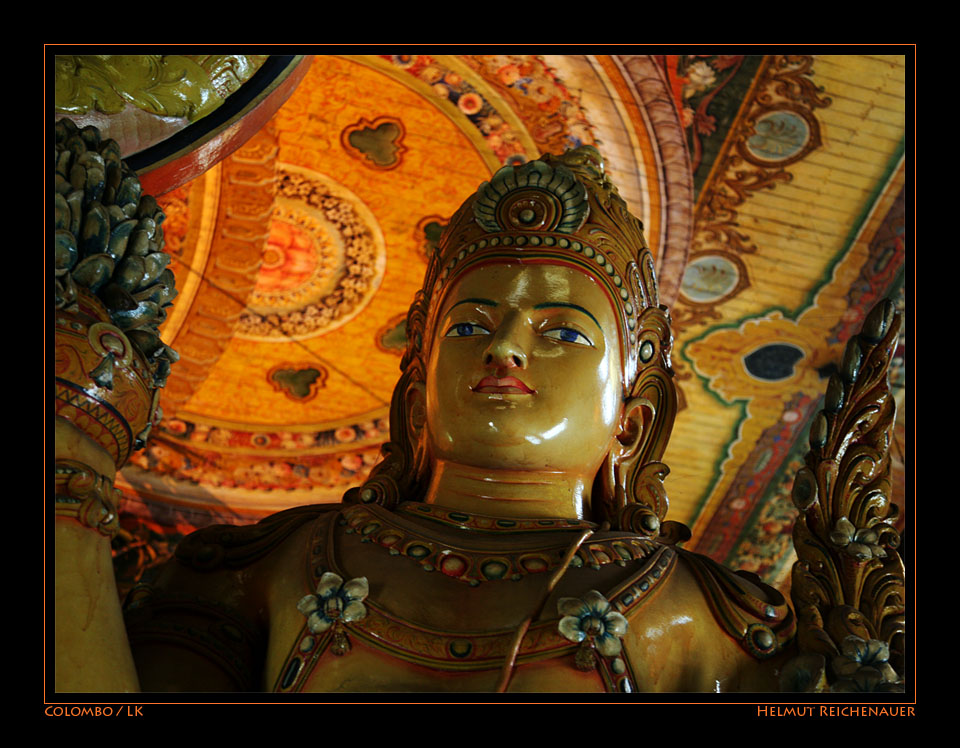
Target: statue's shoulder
<point>236,547</point>
<point>667,603</point>
<point>750,611</point>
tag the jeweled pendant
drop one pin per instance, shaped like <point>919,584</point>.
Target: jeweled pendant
<point>341,644</point>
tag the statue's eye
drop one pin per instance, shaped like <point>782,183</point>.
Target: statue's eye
<point>466,330</point>
<point>568,335</point>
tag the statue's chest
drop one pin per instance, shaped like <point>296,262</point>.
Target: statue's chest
<point>444,612</point>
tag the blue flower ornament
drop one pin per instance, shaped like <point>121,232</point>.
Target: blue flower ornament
<point>335,603</point>
<point>862,666</point>
<point>593,623</point>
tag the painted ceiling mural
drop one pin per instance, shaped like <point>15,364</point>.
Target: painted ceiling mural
<point>771,188</point>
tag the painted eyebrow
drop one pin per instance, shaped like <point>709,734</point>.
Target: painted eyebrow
<point>485,302</point>
<point>550,304</point>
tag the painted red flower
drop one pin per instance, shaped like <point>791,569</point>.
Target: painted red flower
<point>470,103</point>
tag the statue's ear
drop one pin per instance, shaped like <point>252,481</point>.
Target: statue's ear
<point>414,423</point>
<point>635,424</point>
<point>415,403</point>
<point>626,447</point>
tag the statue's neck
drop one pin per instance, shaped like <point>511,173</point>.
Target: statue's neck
<point>509,493</point>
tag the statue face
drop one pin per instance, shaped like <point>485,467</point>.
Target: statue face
<point>524,372</point>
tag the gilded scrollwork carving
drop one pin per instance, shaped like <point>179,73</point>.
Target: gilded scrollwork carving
<point>785,86</point>
<point>848,584</point>
<point>86,496</point>
<point>790,78</point>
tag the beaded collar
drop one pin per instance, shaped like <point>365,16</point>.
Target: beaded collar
<point>480,557</point>
<point>461,651</point>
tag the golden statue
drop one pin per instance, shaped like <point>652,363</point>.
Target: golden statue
<point>514,536</point>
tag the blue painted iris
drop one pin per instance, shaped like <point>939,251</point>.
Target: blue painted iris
<point>466,330</point>
<point>567,335</point>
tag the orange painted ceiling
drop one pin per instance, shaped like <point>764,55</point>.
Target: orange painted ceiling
<point>771,188</point>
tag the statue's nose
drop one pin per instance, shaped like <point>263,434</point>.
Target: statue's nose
<point>505,349</point>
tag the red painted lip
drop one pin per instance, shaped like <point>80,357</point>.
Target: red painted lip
<point>505,385</point>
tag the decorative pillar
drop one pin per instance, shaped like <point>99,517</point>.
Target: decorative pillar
<point>112,287</point>
<point>848,581</point>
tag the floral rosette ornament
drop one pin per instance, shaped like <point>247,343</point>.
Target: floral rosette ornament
<point>862,544</point>
<point>335,604</point>
<point>863,666</point>
<point>591,622</point>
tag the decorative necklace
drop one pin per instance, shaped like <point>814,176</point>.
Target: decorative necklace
<point>332,611</point>
<point>488,558</point>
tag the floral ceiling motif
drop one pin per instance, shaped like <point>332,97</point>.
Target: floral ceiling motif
<point>323,261</point>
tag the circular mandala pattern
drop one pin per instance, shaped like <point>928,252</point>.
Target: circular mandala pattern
<point>322,264</point>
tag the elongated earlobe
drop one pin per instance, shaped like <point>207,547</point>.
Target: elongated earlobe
<point>416,422</point>
<point>416,406</point>
<point>635,427</point>
<point>638,415</point>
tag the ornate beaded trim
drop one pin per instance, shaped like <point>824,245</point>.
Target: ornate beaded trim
<point>458,652</point>
<point>639,587</point>
<point>83,494</point>
<point>618,672</point>
<point>471,566</point>
<point>618,675</point>
<point>437,649</point>
<point>443,650</point>
<point>308,647</point>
